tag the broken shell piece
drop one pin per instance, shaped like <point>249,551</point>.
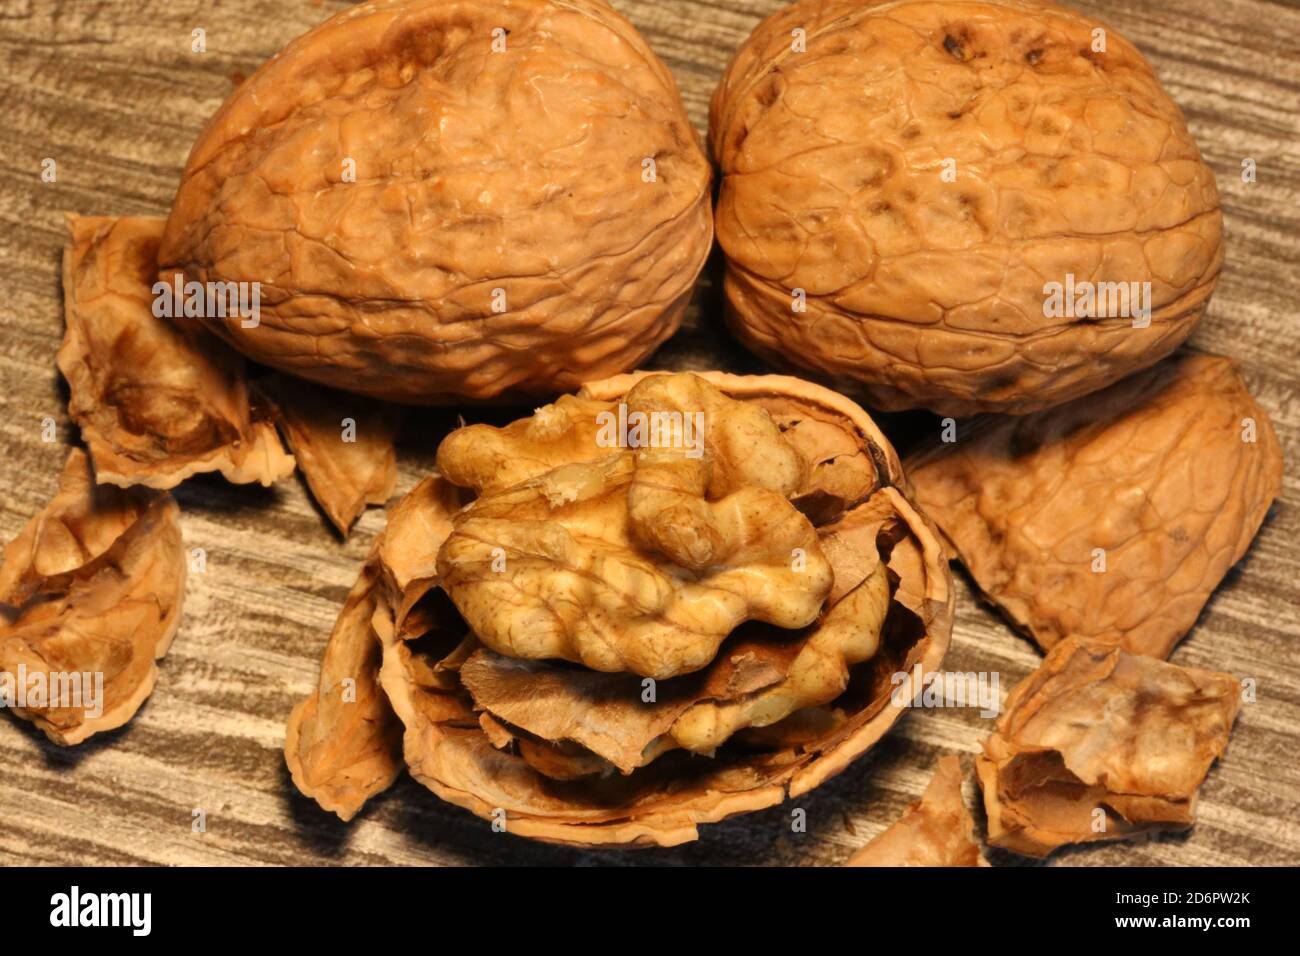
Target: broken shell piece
<point>95,584</point>
<point>343,445</point>
<point>156,400</point>
<point>1114,516</point>
<point>1099,744</point>
<point>938,830</point>
<point>343,743</point>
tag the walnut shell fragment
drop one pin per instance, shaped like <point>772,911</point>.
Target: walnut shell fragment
<point>1099,744</point>
<point>581,764</point>
<point>343,743</point>
<point>91,591</point>
<point>1166,477</point>
<point>448,199</point>
<point>938,830</point>
<point>156,401</point>
<point>911,192</point>
<point>343,445</point>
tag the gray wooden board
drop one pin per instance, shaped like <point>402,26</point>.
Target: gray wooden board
<point>113,93</point>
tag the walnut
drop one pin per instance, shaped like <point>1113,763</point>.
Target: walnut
<point>745,710</point>
<point>1099,744</point>
<point>1114,516</point>
<point>446,200</point>
<point>929,174</point>
<point>93,586</point>
<point>343,445</point>
<point>155,402</point>
<point>642,560</point>
<point>936,831</point>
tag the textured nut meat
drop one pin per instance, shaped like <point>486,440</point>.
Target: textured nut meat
<point>645,559</point>
<point>444,198</point>
<point>1114,516</point>
<point>923,169</point>
<point>589,769</point>
<point>1098,729</point>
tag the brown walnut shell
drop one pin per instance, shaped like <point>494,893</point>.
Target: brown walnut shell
<point>468,757</point>
<point>1114,516</point>
<point>90,600</point>
<point>921,169</point>
<point>665,803</point>
<point>156,402</point>
<point>501,234</point>
<point>937,830</point>
<point>1099,744</point>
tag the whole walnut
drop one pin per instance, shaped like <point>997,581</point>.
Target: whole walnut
<point>958,206</point>
<point>450,199</point>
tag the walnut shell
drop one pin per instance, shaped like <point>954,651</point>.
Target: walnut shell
<point>502,233</point>
<point>1098,744</point>
<point>928,290</point>
<point>1114,516</point>
<point>155,403</point>
<point>94,586</point>
<point>549,794</point>
<point>937,830</point>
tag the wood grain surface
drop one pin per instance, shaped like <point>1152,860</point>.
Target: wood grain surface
<point>111,91</point>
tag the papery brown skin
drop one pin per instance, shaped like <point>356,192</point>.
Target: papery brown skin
<point>1154,470</point>
<point>760,677</point>
<point>93,585</point>
<point>156,401</point>
<point>935,831</point>
<point>483,181</point>
<point>344,473</point>
<point>606,713</point>
<point>1096,730</point>
<point>448,748</point>
<point>922,292</point>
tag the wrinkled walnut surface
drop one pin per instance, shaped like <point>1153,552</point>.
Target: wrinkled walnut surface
<point>1153,470</point>
<point>92,585</point>
<point>928,293</point>
<point>938,830</point>
<point>607,773</point>
<point>156,401</point>
<point>1096,728</point>
<point>476,171</point>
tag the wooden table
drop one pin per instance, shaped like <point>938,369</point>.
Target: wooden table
<point>112,92</point>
